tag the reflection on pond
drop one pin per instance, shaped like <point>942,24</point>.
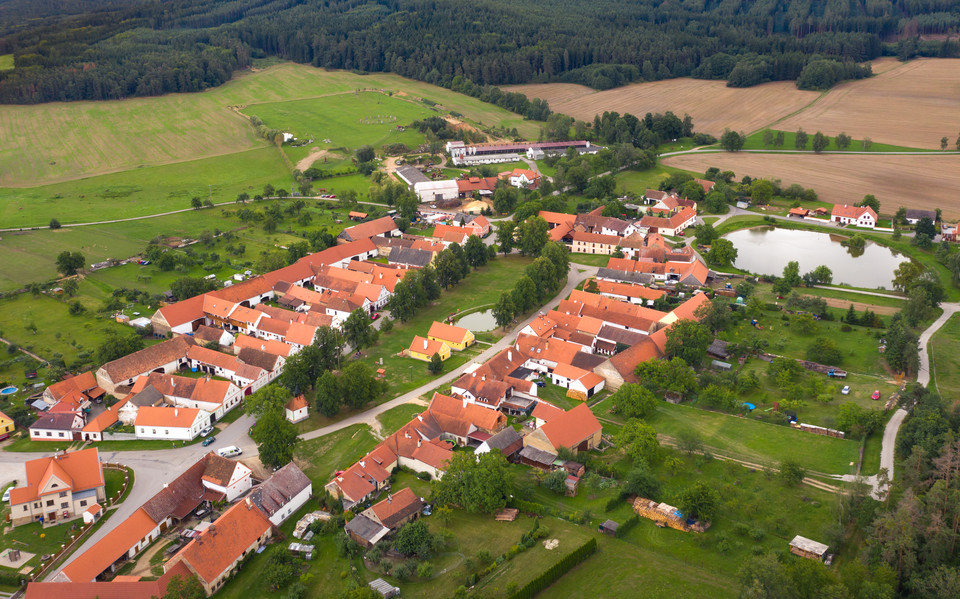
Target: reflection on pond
<point>766,250</point>
<point>478,321</point>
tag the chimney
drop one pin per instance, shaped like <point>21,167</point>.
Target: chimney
<point>464,403</point>
<point>363,464</point>
<point>176,412</point>
<point>509,356</point>
<point>483,378</point>
<point>424,344</point>
<point>418,442</point>
<point>213,527</point>
<point>249,505</point>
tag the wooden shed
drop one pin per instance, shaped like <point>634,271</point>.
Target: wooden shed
<point>805,547</point>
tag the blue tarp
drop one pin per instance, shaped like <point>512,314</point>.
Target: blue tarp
<point>749,406</point>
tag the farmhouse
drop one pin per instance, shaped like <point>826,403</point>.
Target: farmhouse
<point>447,234</point>
<point>577,430</point>
<point>396,510</point>
<point>861,216</point>
<point>410,257</point>
<point>115,589</point>
<point>382,227</point>
<point>673,225</point>
<point>424,349</point>
<point>281,495</point>
<point>522,178</point>
<point>436,191</point>
<point>93,430</point>
<point>58,488</point>
<point>457,338</point>
<point>593,243</point>
<point>215,397</point>
<point>57,426</point>
<point>215,554</point>
<point>475,224</point>
<point>580,383</point>
<point>77,391</point>
<point>914,215</point>
<point>183,424</point>
<point>168,356</point>
<point>508,441</point>
<point>483,186</point>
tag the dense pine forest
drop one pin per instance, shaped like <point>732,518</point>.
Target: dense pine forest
<point>99,49</point>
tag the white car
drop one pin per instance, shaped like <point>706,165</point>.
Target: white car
<point>6,495</point>
<point>845,390</point>
<point>231,451</point>
<point>206,431</point>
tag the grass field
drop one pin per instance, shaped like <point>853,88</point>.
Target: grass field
<point>755,142</point>
<point>347,120</point>
<point>843,179</point>
<point>918,100</point>
<point>945,352</point>
<point>64,141</point>
<point>713,106</point>
<point>148,190</point>
<point>393,419</point>
<point>6,62</point>
<point>749,439</point>
<point>636,182</point>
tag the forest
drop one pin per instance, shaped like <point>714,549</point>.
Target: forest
<point>81,49</point>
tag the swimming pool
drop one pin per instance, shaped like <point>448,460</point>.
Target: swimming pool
<point>8,391</point>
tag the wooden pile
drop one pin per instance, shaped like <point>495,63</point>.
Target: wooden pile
<point>507,514</point>
<point>664,515</point>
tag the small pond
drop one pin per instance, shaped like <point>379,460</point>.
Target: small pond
<point>767,250</point>
<point>478,321</point>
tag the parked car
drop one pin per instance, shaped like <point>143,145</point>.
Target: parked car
<point>230,451</point>
<point>876,395</point>
<point>208,441</point>
<point>206,431</point>
<point>375,316</point>
<point>6,495</point>
<point>845,390</point>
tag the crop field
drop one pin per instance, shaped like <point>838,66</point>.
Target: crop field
<point>56,142</point>
<point>148,190</point>
<point>844,179</point>
<point>912,104</point>
<point>347,120</point>
<point>712,104</point>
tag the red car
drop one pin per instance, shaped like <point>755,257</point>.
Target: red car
<point>375,316</point>
<point>876,395</point>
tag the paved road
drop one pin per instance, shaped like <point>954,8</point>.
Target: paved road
<point>578,274</point>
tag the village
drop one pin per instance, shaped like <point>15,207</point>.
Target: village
<point>552,399</point>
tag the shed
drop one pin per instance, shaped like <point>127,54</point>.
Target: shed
<point>531,456</point>
<point>718,349</point>
<point>365,531</point>
<point>805,547</point>
<point>718,365</point>
<point>385,589</point>
<point>609,527</point>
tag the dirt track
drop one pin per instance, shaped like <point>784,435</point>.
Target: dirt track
<point>834,302</point>
<point>930,181</point>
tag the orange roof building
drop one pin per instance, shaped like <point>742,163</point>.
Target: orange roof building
<point>58,488</point>
<point>458,338</point>
<point>184,424</point>
<point>216,552</point>
<point>577,429</point>
<point>424,349</point>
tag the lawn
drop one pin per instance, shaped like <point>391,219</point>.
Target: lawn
<point>751,440</point>
<point>320,458</point>
<point>590,259</point>
<point>142,191</point>
<point>634,182</point>
<point>347,120</point>
<point>944,350</point>
<point>36,539</point>
<point>394,418</point>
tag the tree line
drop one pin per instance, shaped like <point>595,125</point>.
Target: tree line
<point>79,51</point>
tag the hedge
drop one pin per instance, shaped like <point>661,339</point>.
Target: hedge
<point>532,588</point>
<point>627,526</point>
<point>11,579</point>
<point>528,507</point>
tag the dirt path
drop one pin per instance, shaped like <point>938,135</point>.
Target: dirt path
<point>314,155</point>
<point>834,302</point>
<point>143,560</point>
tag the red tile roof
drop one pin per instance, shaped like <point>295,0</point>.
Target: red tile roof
<point>92,562</point>
<point>166,417</point>
<point>422,345</point>
<point>116,589</point>
<point>277,348</point>
<point>448,332</point>
<point>183,312</point>
<point>369,229</point>
<point>396,507</point>
<point>80,470</point>
<point>572,427</point>
<point>223,542</point>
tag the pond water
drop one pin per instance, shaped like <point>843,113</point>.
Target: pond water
<point>478,321</point>
<point>766,250</point>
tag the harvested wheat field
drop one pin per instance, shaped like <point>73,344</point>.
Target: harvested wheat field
<point>913,104</point>
<point>713,106</point>
<point>931,181</point>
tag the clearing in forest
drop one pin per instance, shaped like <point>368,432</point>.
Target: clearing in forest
<point>913,104</point>
<point>845,179</point>
<point>713,106</point>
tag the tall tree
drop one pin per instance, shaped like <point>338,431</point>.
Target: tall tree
<point>275,436</point>
<point>533,235</point>
<point>504,310</point>
<point>358,329</point>
<point>474,483</point>
<point>689,340</point>
<point>327,397</point>
<point>69,262</point>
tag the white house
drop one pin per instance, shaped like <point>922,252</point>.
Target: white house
<point>183,424</point>
<point>860,216</point>
<point>281,495</point>
<point>576,379</point>
<point>229,477</point>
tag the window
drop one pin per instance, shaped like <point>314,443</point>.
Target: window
<point>64,505</point>
<point>50,503</point>
<point>49,434</point>
<point>62,493</point>
<point>24,508</point>
<point>83,503</point>
<point>154,431</point>
<point>61,434</point>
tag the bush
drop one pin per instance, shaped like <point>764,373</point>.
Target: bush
<point>425,570</point>
<point>627,526</point>
<point>403,571</point>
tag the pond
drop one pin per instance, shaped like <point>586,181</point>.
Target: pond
<point>767,250</point>
<point>478,321</point>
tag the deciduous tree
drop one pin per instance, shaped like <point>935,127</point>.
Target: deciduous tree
<point>689,340</point>
<point>634,401</point>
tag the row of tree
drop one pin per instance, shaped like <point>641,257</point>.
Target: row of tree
<point>543,278</point>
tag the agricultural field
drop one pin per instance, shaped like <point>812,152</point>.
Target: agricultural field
<point>58,142</point>
<point>347,120</point>
<point>844,179</point>
<point>143,191</point>
<point>713,106</point>
<point>917,102</point>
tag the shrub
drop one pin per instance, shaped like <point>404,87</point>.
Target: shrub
<point>425,570</point>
